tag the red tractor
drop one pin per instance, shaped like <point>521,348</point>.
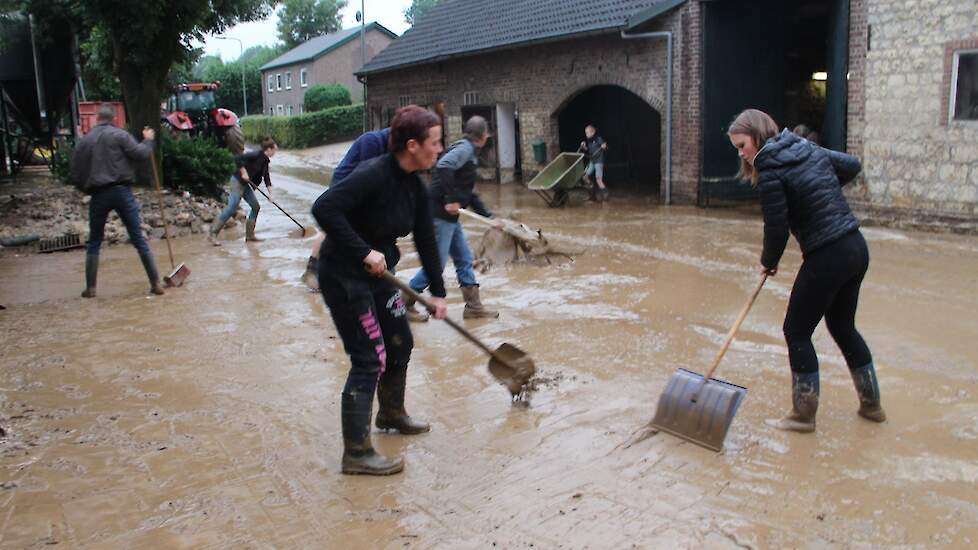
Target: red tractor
<point>192,110</point>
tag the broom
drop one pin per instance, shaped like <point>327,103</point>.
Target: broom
<point>180,272</point>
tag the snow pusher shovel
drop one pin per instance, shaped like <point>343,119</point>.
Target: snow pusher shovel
<point>510,365</point>
<point>700,409</point>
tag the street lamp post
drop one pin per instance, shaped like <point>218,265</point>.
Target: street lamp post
<point>244,88</point>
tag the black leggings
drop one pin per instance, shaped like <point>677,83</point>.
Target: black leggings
<point>372,321</point>
<point>827,286</point>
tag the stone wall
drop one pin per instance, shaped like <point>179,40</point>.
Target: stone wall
<point>543,78</point>
<point>915,160</point>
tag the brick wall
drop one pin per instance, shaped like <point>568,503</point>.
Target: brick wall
<point>914,160</point>
<point>541,79</point>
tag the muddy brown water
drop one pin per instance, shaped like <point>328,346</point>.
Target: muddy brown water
<point>209,417</point>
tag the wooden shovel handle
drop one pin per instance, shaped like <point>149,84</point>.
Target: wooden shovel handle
<point>405,288</point>
<point>507,228</point>
<point>159,198</point>
<point>736,327</point>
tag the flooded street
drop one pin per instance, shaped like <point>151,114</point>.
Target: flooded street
<point>209,417</point>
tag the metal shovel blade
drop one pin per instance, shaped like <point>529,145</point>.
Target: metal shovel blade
<point>512,367</point>
<point>704,422</point>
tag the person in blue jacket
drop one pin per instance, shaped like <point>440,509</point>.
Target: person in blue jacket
<point>800,185</point>
<point>367,146</point>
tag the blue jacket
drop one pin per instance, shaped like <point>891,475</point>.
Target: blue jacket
<point>801,192</point>
<point>367,146</point>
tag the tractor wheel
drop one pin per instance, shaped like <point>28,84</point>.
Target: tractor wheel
<point>234,139</point>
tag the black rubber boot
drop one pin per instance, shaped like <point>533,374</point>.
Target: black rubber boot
<point>359,456</point>
<point>390,394</point>
<point>154,276</point>
<point>91,275</point>
<point>868,390</point>
<point>804,404</point>
<point>311,274</point>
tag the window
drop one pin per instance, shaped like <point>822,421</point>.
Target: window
<point>470,98</point>
<point>271,111</point>
<point>279,110</point>
<point>302,108</point>
<point>288,80</point>
<point>278,81</point>
<point>302,78</point>
<point>271,83</point>
<point>404,100</point>
<point>290,110</point>
<point>964,86</point>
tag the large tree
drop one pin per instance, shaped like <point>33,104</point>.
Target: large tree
<point>148,37</point>
<point>300,20</point>
<point>418,9</point>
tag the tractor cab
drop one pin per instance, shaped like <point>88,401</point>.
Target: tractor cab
<point>192,110</point>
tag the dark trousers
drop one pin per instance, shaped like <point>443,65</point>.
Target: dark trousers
<point>120,199</point>
<point>372,322</point>
<point>827,286</point>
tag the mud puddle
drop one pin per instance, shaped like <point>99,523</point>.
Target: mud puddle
<point>209,417</point>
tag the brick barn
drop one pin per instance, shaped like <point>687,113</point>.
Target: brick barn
<point>541,70</point>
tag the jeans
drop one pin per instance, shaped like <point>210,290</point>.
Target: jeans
<point>120,199</point>
<point>827,285</point>
<point>372,322</point>
<point>239,191</point>
<point>451,240</point>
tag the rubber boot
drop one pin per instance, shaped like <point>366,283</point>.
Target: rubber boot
<point>390,394</point>
<point>91,275</point>
<point>804,401</point>
<point>212,234</point>
<point>414,314</point>
<point>311,274</point>
<point>154,277</point>
<point>603,194</point>
<point>473,305</point>
<point>250,232</point>
<point>868,390</point>
<point>359,456</point>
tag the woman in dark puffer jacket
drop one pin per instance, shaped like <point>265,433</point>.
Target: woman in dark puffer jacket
<point>801,192</point>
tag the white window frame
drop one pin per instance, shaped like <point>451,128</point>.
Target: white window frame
<point>302,108</point>
<point>289,109</point>
<point>303,77</point>
<point>288,80</point>
<point>952,104</point>
<point>271,83</point>
<point>278,81</point>
<point>279,110</point>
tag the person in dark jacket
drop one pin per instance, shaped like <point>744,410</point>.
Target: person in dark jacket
<point>367,146</point>
<point>452,188</point>
<point>595,147</point>
<point>251,170</point>
<point>103,164</point>
<point>801,193</point>
<point>363,215</point>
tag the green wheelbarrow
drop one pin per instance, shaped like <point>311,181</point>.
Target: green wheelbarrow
<point>560,183</point>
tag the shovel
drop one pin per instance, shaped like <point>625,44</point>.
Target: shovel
<point>510,365</point>
<point>531,242</point>
<point>532,238</point>
<point>700,409</point>
<point>305,232</point>
<point>180,272</point>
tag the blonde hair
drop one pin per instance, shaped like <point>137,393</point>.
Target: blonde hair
<point>760,127</point>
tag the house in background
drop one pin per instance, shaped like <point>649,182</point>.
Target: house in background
<point>328,59</point>
<point>894,82</point>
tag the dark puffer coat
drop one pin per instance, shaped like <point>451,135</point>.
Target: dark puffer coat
<point>801,191</point>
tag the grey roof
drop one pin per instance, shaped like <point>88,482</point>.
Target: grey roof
<point>460,27</point>
<point>321,45</point>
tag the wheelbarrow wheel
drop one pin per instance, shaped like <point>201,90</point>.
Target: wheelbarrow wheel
<point>560,198</point>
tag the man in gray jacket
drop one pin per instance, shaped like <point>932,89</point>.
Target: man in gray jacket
<point>103,165</point>
<point>453,187</point>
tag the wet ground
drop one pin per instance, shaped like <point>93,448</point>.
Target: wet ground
<point>209,417</point>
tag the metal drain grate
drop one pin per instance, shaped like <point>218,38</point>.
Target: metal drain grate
<point>64,242</point>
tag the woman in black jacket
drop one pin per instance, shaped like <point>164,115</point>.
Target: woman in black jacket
<point>801,192</point>
<point>362,216</point>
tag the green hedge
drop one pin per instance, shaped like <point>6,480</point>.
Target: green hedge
<point>306,130</point>
<point>321,97</point>
<point>197,165</point>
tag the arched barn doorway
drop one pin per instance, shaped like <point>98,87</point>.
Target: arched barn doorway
<point>628,123</point>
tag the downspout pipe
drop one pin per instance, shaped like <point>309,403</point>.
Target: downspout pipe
<point>667,199</point>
